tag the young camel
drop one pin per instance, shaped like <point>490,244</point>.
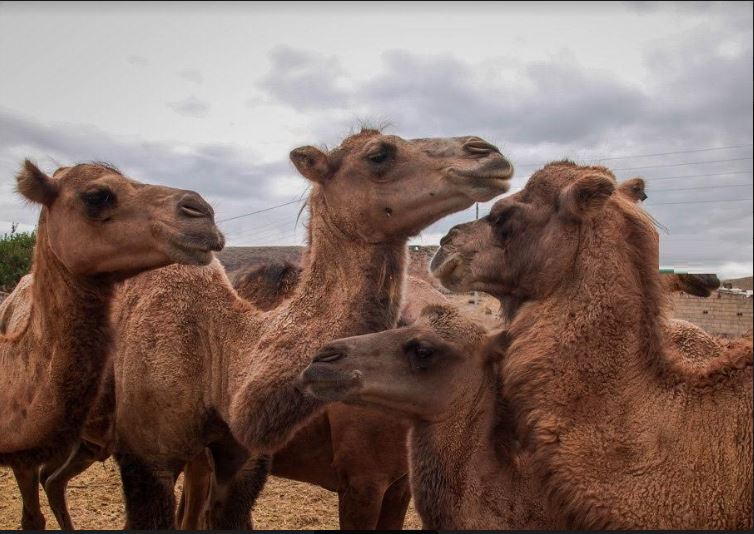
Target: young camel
<point>468,471</point>
<point>623,432</point>
<point>96,227</point>
<point>224,373</point>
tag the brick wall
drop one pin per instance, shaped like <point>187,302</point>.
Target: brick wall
<point>722,314</point>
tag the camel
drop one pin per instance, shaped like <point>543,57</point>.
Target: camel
<point>96,227</point>
<point>623,432</point>
<point>467,469</point>
<point>224,373</point>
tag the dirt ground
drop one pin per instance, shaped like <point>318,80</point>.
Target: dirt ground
<point>95,499</point>
<point>96,502</point>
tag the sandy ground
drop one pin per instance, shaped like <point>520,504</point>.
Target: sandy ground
<point>96,502</point>
<point>95,499</point>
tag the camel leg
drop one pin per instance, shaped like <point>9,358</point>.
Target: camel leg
<point>55,484</point>
<point>27,479</point>
<point>197,478</point>
<point>148,492</point>
<point>359,505</point>
<point>395,505</point>
<point>237,482</point>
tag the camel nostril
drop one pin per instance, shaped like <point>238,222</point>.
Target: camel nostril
<point>480,147</point>
<point>194,206</point>
<point>329,355</point>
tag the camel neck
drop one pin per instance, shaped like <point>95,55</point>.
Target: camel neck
<point>346,275</point>
<point>71,313</point>
<point>67,341</point>
<point>449,458</point>
<point>573,367</point>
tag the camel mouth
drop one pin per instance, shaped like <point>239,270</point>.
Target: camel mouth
<point>195,249</point>
<point>483,185</point>
<point>326,382</point>
<point>444,264</point>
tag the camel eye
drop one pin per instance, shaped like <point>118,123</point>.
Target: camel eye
<point>381,154</point>
<point>500,220</point>
<point>420,354</point>
<point>97,199</point>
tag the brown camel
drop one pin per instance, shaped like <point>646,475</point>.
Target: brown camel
<point>467,469</point>
<point>223,373</point>
<point>96,227</point>
<point>623,432</point>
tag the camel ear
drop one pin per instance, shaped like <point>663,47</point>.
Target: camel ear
<point>586,196</point>
<point>497,345</point>
<point>311,162</point>
<point>634,189</point>
<point>36,185</point>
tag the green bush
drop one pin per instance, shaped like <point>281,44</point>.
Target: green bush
<point>16,250</point>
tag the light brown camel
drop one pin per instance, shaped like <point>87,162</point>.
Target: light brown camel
<point>96,227</point>
<point>467,469</point>
<point>216,365</point>
<point>623,432</point>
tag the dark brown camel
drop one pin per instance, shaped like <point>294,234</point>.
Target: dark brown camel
<point>624,433</point>
<point>96,227</point>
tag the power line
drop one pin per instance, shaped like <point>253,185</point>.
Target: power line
<point>697,175</point>
<point>681,164</point>
<point>699,201</point>
<point>701,187</point>
<point>260,211</point>
<point>707,149</point>
<point>688,202</point>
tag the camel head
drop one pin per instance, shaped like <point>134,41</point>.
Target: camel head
<point>699,285</point>
<point>536,240</point>
<point>423,371</point>
<point>463,241</point>
<point>97,221</point>
<point>633,188</point>
<point>381,187</point>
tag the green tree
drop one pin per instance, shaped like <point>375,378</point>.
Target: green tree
<point>16,250</point>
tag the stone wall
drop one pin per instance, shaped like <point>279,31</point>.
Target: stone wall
<point>723,313</point>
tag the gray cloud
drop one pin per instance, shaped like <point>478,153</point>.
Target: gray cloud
<point>303,81</point>
<point>190,107</point>
<point>226,175</point>
<point>192,75</point>
<point>139,61</point>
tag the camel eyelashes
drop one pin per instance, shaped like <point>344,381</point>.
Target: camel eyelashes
<point>382,154</point>
<point>97,199</point>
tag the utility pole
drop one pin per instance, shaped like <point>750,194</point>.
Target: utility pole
<point>476,294</point>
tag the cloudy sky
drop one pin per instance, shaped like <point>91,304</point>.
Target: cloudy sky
<point>213,97</point>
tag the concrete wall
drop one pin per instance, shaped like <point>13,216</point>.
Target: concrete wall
<point>722,314</point>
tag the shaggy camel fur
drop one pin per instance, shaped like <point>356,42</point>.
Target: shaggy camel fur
<point>623,432</point>
<point>216,365</point>
<point>96,227</point>
<point>467,469</point>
